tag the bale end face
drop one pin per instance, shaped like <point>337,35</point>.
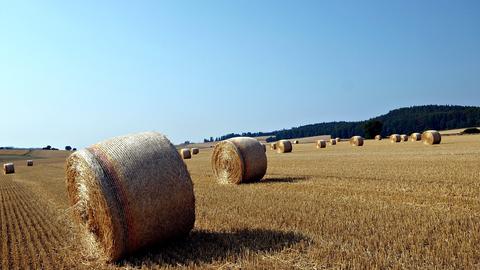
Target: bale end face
<point>195,151</point>
<point>404,138</point>
<point>185,153</point>
<point>29,163</point>
<point>395,138</point>
<point>321,144</point>
<point>356,141</point>
<point>239,160</point>
<point>415,137</point>
<point>333,142</point>
<point>8,168</point>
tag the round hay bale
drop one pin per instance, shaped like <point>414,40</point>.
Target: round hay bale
<point>295,142</point>
<point>404,138</point>
<point>8,168</point>
<point>378,137</point>
<point>273,146</point>
<point>264,148</point>
<point>395,138</point>
<point>337,139</point>
<point>431,137</point>
<point>415,137</point>
<point>130,192</point>
<point>185,153</point>
<point>284,146</point>
<point>356,141</point>
<point>239,160</point>
<point>321,144</point>
<point>333,142</point>
<point>195,151</point>
<point>29,163</point>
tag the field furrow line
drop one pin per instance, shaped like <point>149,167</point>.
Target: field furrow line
<point>4,254</point>
<point>14,236</point>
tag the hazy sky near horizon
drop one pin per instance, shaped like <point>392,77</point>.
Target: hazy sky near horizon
<point>76,72</point>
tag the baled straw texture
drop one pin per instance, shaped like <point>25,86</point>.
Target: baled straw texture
<point>29,163</point>
<point>321,144</point>
<point>195,151</point>
<point>333,142</point>
<point>431,137</point>
<point>356,141</point>
<point>130,192</point>
<point>415,137</point>
<point>8,168</point>
<point>239,160</point>
<point>404,138</point>
<point>185,153</point>
<point>284,146</point>
<point>395,138</point>
<point>378,137</point>
<point>273,146</point>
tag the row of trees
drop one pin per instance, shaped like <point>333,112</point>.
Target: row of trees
<point>67,148</point>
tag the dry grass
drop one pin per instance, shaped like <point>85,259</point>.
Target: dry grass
<point>381,206</point>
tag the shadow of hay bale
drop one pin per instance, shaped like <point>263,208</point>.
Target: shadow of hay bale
<point>206,247</point>
<point>288,179</point>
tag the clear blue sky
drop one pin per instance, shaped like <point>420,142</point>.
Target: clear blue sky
<point>76,72</point>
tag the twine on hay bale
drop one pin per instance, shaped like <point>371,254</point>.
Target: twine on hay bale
<point>195,151</point>
<point>395,138</point>
<point>239,160</point>
<point>356,141</point>
<point>185,153</point>
<point>333,142</point>
<point>404,138</point>
<point>8,168</point>
<point>29,163</point>
<point>321,144</point>
<point>284,146</point>
<point>431,137</point>
<point>415,137</point>
<point>378,138</point>
<point>130,192</point>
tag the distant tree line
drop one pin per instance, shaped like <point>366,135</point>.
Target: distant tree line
<point>401,121</point>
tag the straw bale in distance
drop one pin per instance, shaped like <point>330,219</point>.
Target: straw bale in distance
<point>338,140</point>
<point>333,142</point>
<point>431,137</point>
<point>415,137</point>
<point>185,153</point>
<point>378,137</point>
<point>321,144</point>
<point>284,146</point>
<point>356,141</point>
<point>195,151</point>
<point>239,160</point>
<point>129,193</point>
<point>295,142</point>
<point>8,168</point>
<point>404,137</point>
<point>29,163</point>
<point>273,146</point>
<point>395,138</point>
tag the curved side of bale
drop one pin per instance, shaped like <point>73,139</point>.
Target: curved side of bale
<point>378,137</point>
<point>321,144</point>
<point>404,137</point>
<point>264,147</point>
<point>29,163</point>
<point>356,141</point>
<point>415,137</point>
<point>130,192</point>
<point>195,151</point>
<point>185,153</point>
<point>8,168</point>
<point>284,146</point>
<point>239,160</point>
<point>273,146</point>
<point>431,137</point>
<point>395,138</point>
<point>333,142</point>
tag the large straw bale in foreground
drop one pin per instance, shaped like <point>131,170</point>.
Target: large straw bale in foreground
<point>415,137</point>
<point>395,138</point>
<point>284,146</point>
<point>431,137</point>
<point>131,192</point>
<point>185,153</point>
<point>321,144</point>
<point>239,160</point>
<point>8,168</point>
<point>356,141</point>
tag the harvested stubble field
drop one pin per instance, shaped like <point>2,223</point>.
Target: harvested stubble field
<point>380,206</point>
